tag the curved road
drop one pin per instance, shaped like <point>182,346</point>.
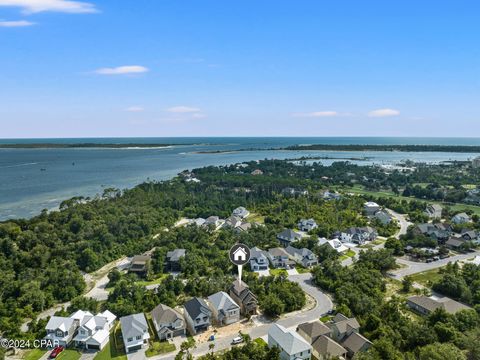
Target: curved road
<point>292,320</point>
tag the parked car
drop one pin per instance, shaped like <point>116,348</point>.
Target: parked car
<point>237,340</point>
<point>436,258</point>
<point>55,352</point>
<point>429,260</point>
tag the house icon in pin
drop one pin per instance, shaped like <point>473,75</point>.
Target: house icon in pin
<point>240,254</point>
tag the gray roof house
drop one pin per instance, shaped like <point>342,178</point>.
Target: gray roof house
<point>358,235</point>
<point>434,211</point>
<point>232,222</point>
<point>258,259</point>
<point>425,305</point>
<point>311,331</point>
<point>60,330</point>
<point>304,257</point>
<point>243,296</point>
<point>168,322</point>
<point>461,218</point>
<point>383,216</point>
<point>197,314</point>
<point>324,348</point>
<point>355,343</point>
<point>134,332</point>
<point>290,344</point>
<point>341,327</point>
<point>225,310</point>
<point>241,212</point>
<point>371,208</point>
<point>94,331</point>
<point>173,259</point>
<point>307,224</point>
<point>280,258</point>
<point>455,242</point>
<point>139,264</point>
<point>288,236</point>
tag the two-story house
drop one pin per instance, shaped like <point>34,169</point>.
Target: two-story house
<point>241,212</point>
<point>168,322</point>
<point>60,330</point>
<point>94,331</point>
<point>225,310</point>
<point>197,315</point>
<point>134,332</point>
<point>434,211</point>
<point>258,259</point>
<point>307,224</point>
<point>173,259</point>
<point>291,345</point>
<point>304,256</point>
<point>279,258</point>
<point>243,296</point>
<point>287,236</point>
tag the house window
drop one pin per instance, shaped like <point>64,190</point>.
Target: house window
<point>129,339</point>
<point>139,337</point>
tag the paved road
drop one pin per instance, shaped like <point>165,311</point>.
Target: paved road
<point>99,292</point>
<point>414,267</point>
<point>292,320</point>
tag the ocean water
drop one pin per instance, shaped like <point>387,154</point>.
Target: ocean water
<point>26,189</point>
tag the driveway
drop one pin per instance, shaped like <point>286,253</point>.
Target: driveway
<point>402,221</point>
<point>322,305</point>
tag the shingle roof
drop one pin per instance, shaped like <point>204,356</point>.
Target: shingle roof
<point>314,329</point>
<point>133,325</point>
<point>163,314</point>
<point>59,322</point>
<point>289,234</point>
<point>326,346</point>
<point>278,252</point>
<point>449,305</point>
<point>175,255</point>
<point>196,306</point>
<point>222,301</point>
<point>289,341</point>
<point>355,342</point>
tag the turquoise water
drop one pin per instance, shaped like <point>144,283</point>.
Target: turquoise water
<point>25,189</point>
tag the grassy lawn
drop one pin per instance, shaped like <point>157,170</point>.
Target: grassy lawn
<point>34,354</point>
<point>260,341</point>
<point>114,349</point>
<point>256,218</point>
<point>350,253</point>
<point>426,278</point>
<point>275,272</point>
<point>152,282</point>
<point>326,318</point>
<point>159,347</point>
<point>69,355</point>
<point>301,269</point>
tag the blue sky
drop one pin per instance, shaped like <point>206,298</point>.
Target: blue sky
<point>239,68</point>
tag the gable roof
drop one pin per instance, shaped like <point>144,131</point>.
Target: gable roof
<point>289,234</point>
<point>355,342</point>
<point>431,304</point>
<point>277,252</point>
<point>108,315</point>
<point>289,341</point>
<point>59,322</point>
<point>133,325</point>
<point>222,301</point>
<point>326,346</point>
<point>196,306</point>
<point>175,255</point>
<point>163,314</point>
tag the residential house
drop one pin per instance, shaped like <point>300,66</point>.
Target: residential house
<point>94,331</point>
<point>173,259</point>
<point>476,162</point>
<point>440,231</point>
<point>325,348</point>
<point>198,315</point>
<point>473,196</point>
<point>455,243</point>
<point>304,257</point>
<point>232,222</point>
<point>279,258</point>
<point>243,296</point>
<point>60,330</point>
<point>307,224</point>
<point>469,235</point>
<point>294,192</point>
<point>335,244</point>
<point>341,327</point>
<point>241,212</point>
<point>225,310</point>
<point>384,217</point>
<point>244,226</point>
<point>140,264</point>
<point>287,236</point>
<point>134,332</point>
<point>357,235</point>
<point>198,221</point>
<point>257,172</point>
<point>168,322</point>
<point>213,221</point>
<point>258,259</point>
<point>461,218</point>
<point>328,195</point>
<point>355,343</point>
<point>311,331</point>
<point>426,305</point>
<point>291,345</point>
<point>370,208</point>
<point>434,211</point>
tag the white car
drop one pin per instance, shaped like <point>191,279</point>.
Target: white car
<point>237,340</point>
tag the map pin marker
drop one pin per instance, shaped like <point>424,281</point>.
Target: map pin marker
<point>239,255</point>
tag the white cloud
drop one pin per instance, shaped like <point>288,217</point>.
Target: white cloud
<point>199,116</point>
<point>65,6</point>
<point>122,70</point>
<point>16,23</point>
<point>135,109</point>
<point>383,113</point>
<point>183,109</point>
<point>317,114</point>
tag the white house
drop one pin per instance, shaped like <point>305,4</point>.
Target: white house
<point>291,345</point>
<point>134,332</point>
<point>335,244</point>
<point>307,224</point>
<point>241,212</point>
<point>60,330</point>
<point>434,211</point>
<point>94,331</point>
